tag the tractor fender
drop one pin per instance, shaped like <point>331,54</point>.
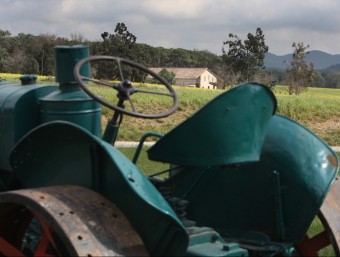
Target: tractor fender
<point>62,153</point>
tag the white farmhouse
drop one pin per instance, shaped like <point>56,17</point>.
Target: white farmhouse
<point>192,77</point>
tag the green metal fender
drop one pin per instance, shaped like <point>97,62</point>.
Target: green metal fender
<point>60,153</point>
<point>229,129</point>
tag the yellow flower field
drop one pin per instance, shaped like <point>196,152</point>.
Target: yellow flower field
<point>15,77</point>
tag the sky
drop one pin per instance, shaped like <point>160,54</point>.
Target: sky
<point>188,24</point>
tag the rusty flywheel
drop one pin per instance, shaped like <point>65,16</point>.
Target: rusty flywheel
<point>64,221</point>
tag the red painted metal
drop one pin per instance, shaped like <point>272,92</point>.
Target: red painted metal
<point>330,218</point>
<point>8,249</point>
<point>42,246</point>
<point>311,246</point>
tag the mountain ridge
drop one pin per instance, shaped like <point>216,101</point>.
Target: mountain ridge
<point>321,60</point>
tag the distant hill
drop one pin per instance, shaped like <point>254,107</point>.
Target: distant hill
<point>335,67</point>
<point>321,60</point>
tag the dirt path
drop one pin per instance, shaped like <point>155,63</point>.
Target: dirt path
<point>126,144</point>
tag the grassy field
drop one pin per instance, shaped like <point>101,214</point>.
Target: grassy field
<point>318,109</point>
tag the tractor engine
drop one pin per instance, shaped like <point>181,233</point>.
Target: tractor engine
<point>27,105</point>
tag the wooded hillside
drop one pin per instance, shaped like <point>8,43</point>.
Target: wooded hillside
<point>34,54</point>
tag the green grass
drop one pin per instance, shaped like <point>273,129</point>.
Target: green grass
<point>309,107</point>
<point>316,103</point>
<point>314,106</point>
<point>143,163</point>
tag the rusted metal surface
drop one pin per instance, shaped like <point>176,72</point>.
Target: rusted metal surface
<point>332,159</point>
<point>86,223</point>
<point>330,212</point>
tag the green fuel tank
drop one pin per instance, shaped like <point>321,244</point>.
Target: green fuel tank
<point>69,102</point>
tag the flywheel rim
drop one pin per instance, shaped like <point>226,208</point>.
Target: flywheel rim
<point>86,224</point>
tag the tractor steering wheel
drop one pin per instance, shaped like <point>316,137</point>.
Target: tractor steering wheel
<point>125,88</point>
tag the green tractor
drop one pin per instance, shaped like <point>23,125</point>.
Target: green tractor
<point>241,179</point>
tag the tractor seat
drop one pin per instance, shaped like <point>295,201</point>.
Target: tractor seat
<point>227,130</point>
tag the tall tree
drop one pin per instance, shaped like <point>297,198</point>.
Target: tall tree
<point>299,73</point>
<point>121,43</point>
<point>245,58</point>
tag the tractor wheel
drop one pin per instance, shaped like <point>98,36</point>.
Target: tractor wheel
<point>325,241</point>
<point>64,221</point>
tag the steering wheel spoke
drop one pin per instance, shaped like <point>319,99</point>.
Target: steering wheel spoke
<point>120,69</point>
<point>125,88</point>
<point>98,82</point>
<point>132,105</point>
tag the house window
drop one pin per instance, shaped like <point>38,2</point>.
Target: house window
<point>208,77</point>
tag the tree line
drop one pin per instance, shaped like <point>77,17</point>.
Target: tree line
<point>240,60</point>
<point>27,53</point>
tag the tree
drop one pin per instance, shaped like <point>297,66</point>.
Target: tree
<point>179,57</point>
<point>168,75</point>
<point>121,44</point>
<point>4,42</point>
<point>332,79</point>
<point>245,58</point>
<point>19,62</point>
<point>299,73</point>
<point>318,80</point>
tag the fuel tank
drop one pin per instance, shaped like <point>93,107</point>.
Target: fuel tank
<point>70,102</point>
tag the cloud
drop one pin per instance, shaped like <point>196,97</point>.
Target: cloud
<point>176,9</point>
<point>198,24</point>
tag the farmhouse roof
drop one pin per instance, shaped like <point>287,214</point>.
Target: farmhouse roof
<point>184,73</point>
